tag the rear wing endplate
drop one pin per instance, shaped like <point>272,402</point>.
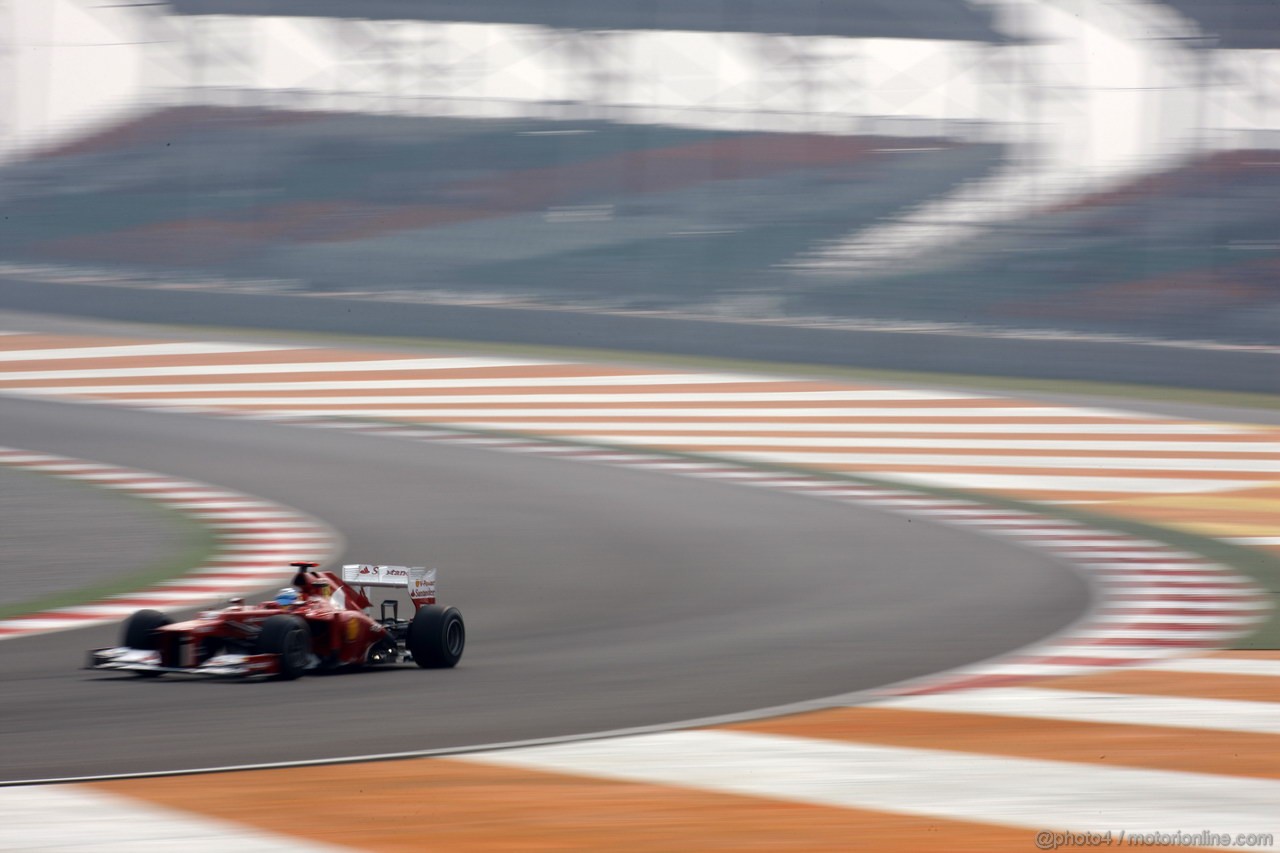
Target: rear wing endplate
<point>418,580</point>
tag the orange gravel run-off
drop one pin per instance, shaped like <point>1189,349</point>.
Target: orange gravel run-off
<point>1106,744</point>
<point>1249,511</point>
<point>1244,688</point>
<point>439,804</point>
<point>1255,505</point>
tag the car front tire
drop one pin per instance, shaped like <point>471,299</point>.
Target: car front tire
<point>288,639</point>
<point>139,630</point>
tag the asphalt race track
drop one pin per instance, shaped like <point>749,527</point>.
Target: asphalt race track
<point>596,598</point>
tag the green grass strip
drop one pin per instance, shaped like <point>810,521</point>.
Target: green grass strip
<point>197,546</point>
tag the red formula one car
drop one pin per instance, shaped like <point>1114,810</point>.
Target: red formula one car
<point>318,622</point>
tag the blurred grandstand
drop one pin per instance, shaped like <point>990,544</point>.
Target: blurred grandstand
<point>369,184</point>
<point>1234,24</point>
<point>589,212</point>
<point>904,19</point>
<point>1191,252</point>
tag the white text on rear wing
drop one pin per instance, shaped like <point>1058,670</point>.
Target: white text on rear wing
<point>419,580</point>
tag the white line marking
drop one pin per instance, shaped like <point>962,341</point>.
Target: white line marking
<point>271,570</point>
<point>1171,595</point>
<point>1255,540</point>
<point>1086,539</point>
<point>1019,525</point>
<point>1224,666</point>
<point>701,398</point>
<point>725,439</point>
<point>39,623</point>
<point>441,363</point>
<point>297,537</point>
<point>264,547</point>
<point>1001,790</point>
<point>1090,707</point>
<point>1212,581</point>
<point>605,381</point>
<point>1072,463</point>
<point>167,596</point>
<point>1064,483</point>
<point>283,406</point>
<point>1176,428</point>
<point>1046,668</point>
<point>1199,634</point>
<point>1114,652</point>
<point>228,525</point>
<point>212,583</point>
<point>115,610</point>
<point>1259,604</point>
<point>1181,619</point>
<point>136,350</point>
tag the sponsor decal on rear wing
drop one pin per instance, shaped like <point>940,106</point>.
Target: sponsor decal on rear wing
<point>419,580</point>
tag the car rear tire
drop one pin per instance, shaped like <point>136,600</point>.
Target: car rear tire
<point>140,630</point>
<point>288,639</point>
<point>436,637</point>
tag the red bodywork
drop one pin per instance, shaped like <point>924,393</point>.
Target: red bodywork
<point>341,632</point>
<point>226,641</point>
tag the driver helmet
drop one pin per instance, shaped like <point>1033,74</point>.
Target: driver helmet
<point>287,597</point>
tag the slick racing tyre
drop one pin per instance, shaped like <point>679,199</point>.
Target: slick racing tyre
<point>288,639</point>
<point>436,637</point>
<point>140,629</point>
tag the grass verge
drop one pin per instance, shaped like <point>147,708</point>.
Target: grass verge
<point>198,543</point>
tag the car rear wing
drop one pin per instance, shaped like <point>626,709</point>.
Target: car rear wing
<point>418,580</point>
